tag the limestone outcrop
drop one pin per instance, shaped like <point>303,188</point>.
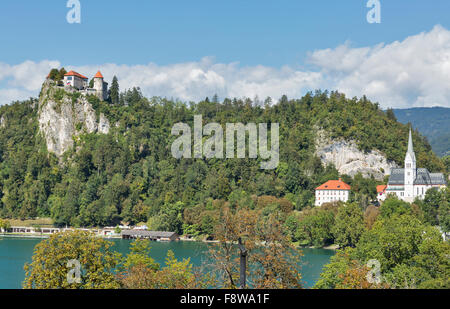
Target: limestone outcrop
<point>348,159</point>
<point>64,114</point>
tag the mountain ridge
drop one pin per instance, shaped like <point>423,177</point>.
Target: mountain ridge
<point>432,122</point>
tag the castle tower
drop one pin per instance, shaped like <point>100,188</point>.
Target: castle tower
<point>410,169</point>
<point>100,86</point>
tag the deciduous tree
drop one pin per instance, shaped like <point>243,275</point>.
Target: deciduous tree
<point>49,268</point>
<point>349,225</point>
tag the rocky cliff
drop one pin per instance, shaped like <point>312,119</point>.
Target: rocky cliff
<point>65,114</point>
<point>348,159</point>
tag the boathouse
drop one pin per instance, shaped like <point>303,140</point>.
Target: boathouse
<point>152,235</point>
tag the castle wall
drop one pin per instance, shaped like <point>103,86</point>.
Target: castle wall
<point>75,82</point>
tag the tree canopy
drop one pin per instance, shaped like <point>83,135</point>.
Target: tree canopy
<point>55,261</point>
<point>129,175</point>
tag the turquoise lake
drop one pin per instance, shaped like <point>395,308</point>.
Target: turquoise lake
<point>15,252</point>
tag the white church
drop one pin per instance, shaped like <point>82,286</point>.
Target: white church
<point>411,182</point>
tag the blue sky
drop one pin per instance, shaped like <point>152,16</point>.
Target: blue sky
<point>212,41</point>
<point>252,32</point>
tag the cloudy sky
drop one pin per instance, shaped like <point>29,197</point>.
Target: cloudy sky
<point>193,49</point>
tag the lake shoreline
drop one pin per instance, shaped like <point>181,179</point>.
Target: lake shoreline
<point>332,247</point>
<point>27,235</point>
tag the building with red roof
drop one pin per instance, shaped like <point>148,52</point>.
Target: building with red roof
<point>73,73</point>
<point>75,80</point>
<point>100,86</point>
<point>98,75</point>
<point>80,82</point>
<point>381,192</point>
<point>332,191</point>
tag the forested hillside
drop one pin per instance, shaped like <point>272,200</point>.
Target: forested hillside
<point>130,175</point>
<point>434,123</point>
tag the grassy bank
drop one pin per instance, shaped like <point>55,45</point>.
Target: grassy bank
<point>41,222</point>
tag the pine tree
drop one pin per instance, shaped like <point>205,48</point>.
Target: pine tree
<point>114,91</point>
<point>390,114</point>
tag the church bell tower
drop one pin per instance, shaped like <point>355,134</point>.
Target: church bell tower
<point>410,169</point>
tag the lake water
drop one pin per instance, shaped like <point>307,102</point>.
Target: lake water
<point>15,252</point>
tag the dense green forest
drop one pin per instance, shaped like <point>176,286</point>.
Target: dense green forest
<point>129,175</point>
<point>432,122</point>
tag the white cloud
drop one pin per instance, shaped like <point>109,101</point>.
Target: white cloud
<point>413,72</point>
<point>13,94</point>
<point>197,80</point>
<point>24,80</point>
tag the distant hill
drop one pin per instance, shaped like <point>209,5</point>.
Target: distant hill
<point>433,122</point>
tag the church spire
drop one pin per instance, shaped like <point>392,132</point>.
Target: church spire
<point>410,146</point>
<point>410,142</point>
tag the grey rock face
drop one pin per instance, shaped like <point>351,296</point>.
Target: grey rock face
<point>348,159</point>
<point>61,119</point>
<point>2,122</point>
<point>103,125</point>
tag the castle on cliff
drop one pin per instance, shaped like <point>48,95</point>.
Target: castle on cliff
<point>80,82</point>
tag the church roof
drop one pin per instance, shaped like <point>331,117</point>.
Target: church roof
<point>423,177</point>
<point>438,179</point>
<point>397,177</point>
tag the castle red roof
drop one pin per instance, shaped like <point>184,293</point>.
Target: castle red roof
<point>73,73</point>
<point>334,185</point>
<point>98,75</point>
